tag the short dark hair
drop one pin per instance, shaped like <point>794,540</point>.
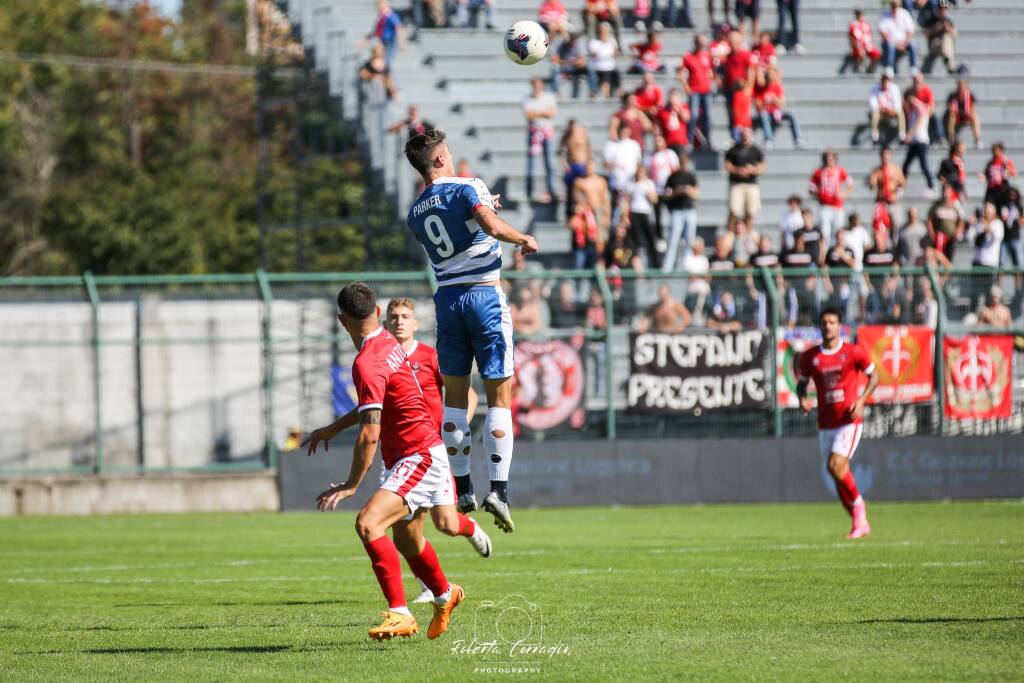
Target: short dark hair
<point>357,301</point>
<point>830,310</point>
<point>419,149</point>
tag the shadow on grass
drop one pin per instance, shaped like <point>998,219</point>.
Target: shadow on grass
<point>269,603</point>
<point>938,620</point>
<point>231,649</point>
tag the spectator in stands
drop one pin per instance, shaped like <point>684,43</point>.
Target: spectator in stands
<point>886,303</point>
<point>574,148</point>
<point>596,320</point>
<point>565,311</point>
<point>862,45</point>
<point>880,254</point>
<point>1011,213</point>
<point>602,50</point>
<point>789,40</point>
<point>998,171</point>
<point>622,156</point>
<point>988,241</point>
<point>376,69</point>
<point>553,17</point>
<point>585,237</point>
<point>413,124</point>
<point>941,34</point>
<point>798,256</point>
<point>962,110</point>
<point>885,103</point>
<point>527,316</point>
<point>745,243</point>
<point>766,54</point>
<point>660,165</point>
<point>858,240</point>
<point>696,75</point>
<point>792,220</point>
<point>909,248</point>
<point>918,140</point>
<point>945,227</point>
<point>540,109</point>
<point>673,120</point>
<point>388,29</point>
<point>631,120</point>
<point>666,315</point>
<point>467,13</point>
<point>926,95</point>
<point>897,29</point>
<point>742,99</point>
<point>831,185</point>
<point>680,196</point>
<point>711,11</point>
<point>638,202</point>
<point>592,190</point>
<point>569,63</point>
<point>749,9</point>
<point>649,98</point>
<point>811,239</point>
<point>646,53</point>
<point>723,316</point>
<point>926,311</point>
<point>620,252</point>
<point>437,10</point>
<point>841,256</point>
<point>744,163</point>
<point>462,169</point>
<point>887,181</point>
<point>721,258</point>
<point>680,18</point>
<point>598,13</point>
<point>953,171</point>
<point>770,100</point>
<point>995,313</point>
<point>739,70</point>
<point>766,256</point>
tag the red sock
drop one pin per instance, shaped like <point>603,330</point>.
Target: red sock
<point>427,569</point>
<point>388,568</point>
<point>847,489</point>
<point>467,527</point>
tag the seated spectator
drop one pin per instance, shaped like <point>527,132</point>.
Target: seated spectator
<point>413,124</point>
<point>673,121</point>
<point>631,120</point>
<point>941,34</point>
<point>437,10</point>
<point>792,220</point>
<point>586,239</point>
<point>666,315</point>
<point>646,53</point>
<point>765,52</point>
<point>812,239</point>
<point>721,258</point>
<point>565,311</point>
<point>696,75</point>
<point>862,45</point>
<point>602,51</point>
<point>377,70</point>
<point>467,13</point>
<point>886,303</point>
<point>597,13</point>
<point>798,256</point>
<point>995,313</point>
<point>962,110</point>
<point>649,98</point>
<point>696,264</point>
<point>952,173</point>
<point>596,317</point>
<point>620,253</point>
<point>744,163</point>
<point>945,227</point>
<point>998,171</point>
<point>909,247</point>
<point>749,9</point>
<point>765,256</point>
<point>639,201</point>
<point>723,314</point>
<point>569,63</point>
<point>745,243</point>
<point>527,317</point>
<point>840,256</point>
<point>880,254</point>
<point>885,103</point>
<point>553,17</point>
<point>897,29</point>
<point>680,196</point>
<point>770,100</point>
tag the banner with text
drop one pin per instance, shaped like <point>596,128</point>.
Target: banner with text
<point>904,359</point>
<point>978,372</point>
<point>692,373</point>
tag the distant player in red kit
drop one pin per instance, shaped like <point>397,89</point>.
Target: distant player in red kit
<point>392,410</point>
<point>835,367</point>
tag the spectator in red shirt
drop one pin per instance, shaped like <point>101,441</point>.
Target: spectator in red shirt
<point>646,53</point>
<point>596,12</point>
<point>554,17</point>
<point>770,100</point>
<point>739,113</point>
<point>674,120</point>
<point>738,67</point>
<point>631,120</point>
<point>696,74</point>
<point>998,172</point>
<point>862,45</point>
<point>926,96</point>
<point>962,110</point>
<point>649,97</point>
<point>765,52</point>
<point>831,185</point>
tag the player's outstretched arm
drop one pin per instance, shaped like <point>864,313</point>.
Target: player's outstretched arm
<point>362,456</point>
<point>495,226</point>
<point>325,434</point>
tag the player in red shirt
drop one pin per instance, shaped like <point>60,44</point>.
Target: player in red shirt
<point>392,410</point>
<point>835,367</point>
<point>862,45</point>
<point>831,185</point>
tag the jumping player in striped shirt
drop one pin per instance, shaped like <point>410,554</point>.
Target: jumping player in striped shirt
<point>835,367</point>
<point>455,220</point>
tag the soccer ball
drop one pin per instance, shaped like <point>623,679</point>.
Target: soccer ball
<point>526,42</point>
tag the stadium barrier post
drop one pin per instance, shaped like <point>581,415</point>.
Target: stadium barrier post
<point>267,296</point>
<point>97,395</point>
<point>609,365</point>
<point>773,322</point>
<point>940,335</point>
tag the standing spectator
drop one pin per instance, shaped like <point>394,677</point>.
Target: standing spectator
<point>789,40</point>
<point>840,255</point>
<point>467,13</point>
<point>639,201</point>
<point>831,186</point>
<point>376,69</point>
<point>574,147</point>
<point>989,240</point>
<point>677,19</point>
<point>666,315</point>
<point>696,74</point>
<point>770,100</point>
<point>885,102</point>
<point>862,44</point>
<point>388,29</point>
<point>680,196</point>
<point>811,238</point>
<point>917,141</point>
<point>646,52</point>
<point>696,264</point>
<point>798,256</point>
<point>962,110</point>
<point>909,246</point>
<point>586,239</point>
<point>540,109</point>
<point>721,258</point>
<point>927,96</point>
<point>1011,216</point>
<point>592,190</point>
<point>792,220</point>
<point>649,97</point>
<point>621,158</point>
<point>673,120</point>
<point>749,9</point>
<point>413,124</point>
<point>995,313</point>
<point>945,227</point>
<point>569,63</point>
<point>767,55</point>
<point>553,17</point>
<point>744,242</point>
<point>631,121</point>
<point>744,162</point>
<point>597,13</point>
<point>897,29</point>
<point>711,11</point>
<point>887,181</point>
<point>662,164</point>
<point>738,70</point>
<point>765,256</point>
<point>858,240</point>
<point>938,28</point>
<point>953,171</point>
<point>998,172</point>
<point>602,51</point>
<point>742,99</point>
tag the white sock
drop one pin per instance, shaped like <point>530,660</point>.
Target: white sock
<point>423,586</point>
<point>401,610</point>
<point>441,599</point>
<point>456,440</point>
<point>498,448</point>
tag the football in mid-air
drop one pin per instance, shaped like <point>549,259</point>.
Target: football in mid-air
<point>526,42</point>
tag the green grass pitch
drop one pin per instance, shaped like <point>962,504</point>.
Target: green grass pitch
<point>625,594</point>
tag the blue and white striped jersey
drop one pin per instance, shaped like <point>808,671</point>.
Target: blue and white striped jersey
<point>460,251</point>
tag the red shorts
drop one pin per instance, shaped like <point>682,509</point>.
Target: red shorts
<point>860,52</point>
<point>944,243</point>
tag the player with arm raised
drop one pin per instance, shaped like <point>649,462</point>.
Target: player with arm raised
<point>835,367</point>
<point>393,412</point>
<point>455,221</point>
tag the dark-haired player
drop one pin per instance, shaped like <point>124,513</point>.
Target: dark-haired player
<point>835,367</point>
<point>392,410</point>
<point>455,221</point>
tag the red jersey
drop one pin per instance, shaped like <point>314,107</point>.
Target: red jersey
<point>925,95</point>
<point>741,109</point>
<point>768,97</point>
<point>699,71</point>
<point>673,128</point>
<point>647,53</point>
<point>649,99</point>
<point>736,66</point>
<point>860,35</point>
<point>827,183</point>
<point>836,376</point>
<point>998,172</point>
<point>766,55</point>
<point>634,126</point>
<point>384,380</point>
<point>552,13</point>
<point>423,361</point>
